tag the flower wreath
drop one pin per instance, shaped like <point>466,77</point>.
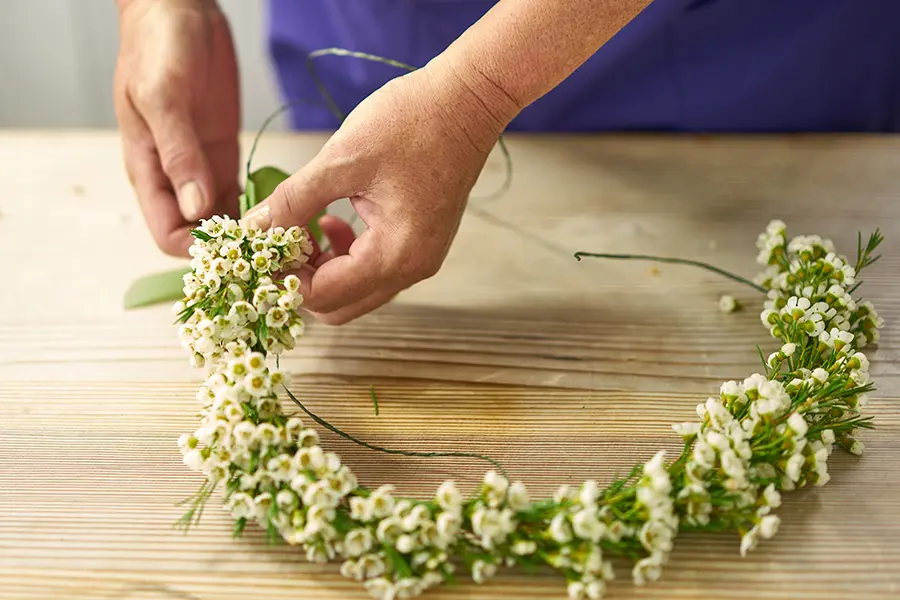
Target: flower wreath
<point>769,433</point>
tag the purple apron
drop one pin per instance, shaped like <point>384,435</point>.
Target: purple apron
<point>681,65</point>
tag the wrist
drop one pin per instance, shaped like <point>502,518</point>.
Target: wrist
<point>472,101</point>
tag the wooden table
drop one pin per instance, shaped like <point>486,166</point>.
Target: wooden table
<point>562,370</point>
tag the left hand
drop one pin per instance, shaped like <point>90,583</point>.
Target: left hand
<point>407,157</point>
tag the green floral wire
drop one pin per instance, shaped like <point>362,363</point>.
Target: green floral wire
<point>364,444</point>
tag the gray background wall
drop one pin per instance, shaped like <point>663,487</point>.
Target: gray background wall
<point>57,59</point>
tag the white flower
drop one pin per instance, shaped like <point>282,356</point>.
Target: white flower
<point>595,589</point>
<point>244,433</point>
<point>727,304</point>
<point>261,261</point>
<point>416,517</point>
<point>308,438</point>
<point>381,588</point>
<point>448,497</point>
<point>686,430</point>
<point>586,525</point>
<point>798,424</point>
<point>857,448</point>
<point>318,518</point>
<point>281,468</point>
<point>297,329</point>
<point>718,415</point>
<point>589,494</point>
<point>276,317</point>
<point>309,459</point>
<point>371,565</point>
<point>730,390</point>
<point>263,504</point>
<point>352,569</point>
<point>186,441</point>
<point>382,502</point>
<point>240,505</point>
<point>732,465</point>
<point>789,349</point>
<point>292,283</point>
<point>268,434</point>
<point>495,486</point>
<point>409,588</point>
<point>820,375</point>
<point>576,591</point>
<point>320,494</point>
<point>655,537</point>
<point>256,384</point>
<point>517,497</point>
<point>564,492</point>
<point>488,525</point>
<point>286,499</point>
<point>194,460</point>
<point>481,571</point>
<point>560,530</point>
<point>448,524</point>
<point>405,544</point>
<point>388,530</point>
<point>524,547</point>
<point>859,361</point>
<point>794,465</point>
<point>771,496</point>
<point>717,441</point>
<point>749,540</point>
<point>360,509</point>
<point>647,569</point>
<point>768,526</point>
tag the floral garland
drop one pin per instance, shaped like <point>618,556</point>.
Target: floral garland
<point>769,433</point>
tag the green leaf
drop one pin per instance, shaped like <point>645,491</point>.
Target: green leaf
<point>260,185</point>
<point>156,288</point>
<point>265,180</point>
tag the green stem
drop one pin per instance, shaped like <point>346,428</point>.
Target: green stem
<point>359,442</point>
<point>681,261</point>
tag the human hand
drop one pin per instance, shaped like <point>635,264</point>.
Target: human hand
<point>176,100</point>
<point>407,157</point>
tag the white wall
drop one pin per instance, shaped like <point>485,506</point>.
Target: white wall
<point>57,59</point>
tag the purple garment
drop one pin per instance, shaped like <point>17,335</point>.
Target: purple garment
<point>681,65</point>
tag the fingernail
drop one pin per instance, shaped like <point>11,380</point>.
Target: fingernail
<point>190,199</point>
<point>258,216</point>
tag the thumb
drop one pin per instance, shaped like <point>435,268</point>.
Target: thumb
<point>300,197</point>
<point>182,159</point>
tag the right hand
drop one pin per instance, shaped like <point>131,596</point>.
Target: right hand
<point>177,104</point>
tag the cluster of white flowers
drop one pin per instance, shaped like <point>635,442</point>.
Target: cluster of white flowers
<point>770,432</point>
<point>272,467</point>
<point>657,534</point>
<point>400,548</point>
<point>230,296</point>
<point>823,310</point>
<point>581,524</point>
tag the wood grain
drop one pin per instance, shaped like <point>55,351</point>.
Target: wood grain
<point>561,370</point>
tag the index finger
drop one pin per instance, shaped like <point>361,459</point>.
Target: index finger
<point>157,200</point>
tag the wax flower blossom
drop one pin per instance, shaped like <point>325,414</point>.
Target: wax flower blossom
<point>753,440</point>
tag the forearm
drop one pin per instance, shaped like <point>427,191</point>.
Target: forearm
<point>522,49</point>
<point>205,4</point>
